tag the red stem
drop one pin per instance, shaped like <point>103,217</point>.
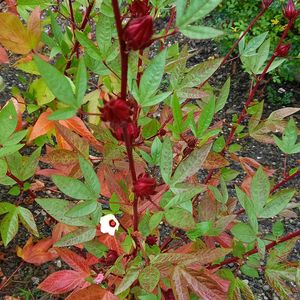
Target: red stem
<point>124,54</point>
<point>83,24</point>
<point>255,250</point>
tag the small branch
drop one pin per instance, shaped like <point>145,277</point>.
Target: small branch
<point>20,183</point>
<point>255,250</point>
<point>124,54</point>
<point>284,180</point>
<point>10,277</point>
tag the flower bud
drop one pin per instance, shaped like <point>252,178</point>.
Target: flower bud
<point>110,258</point>
<point>138,33</point>
<point>290,11</point>
<point>144,186</point>
<point>283,50</point>
<point>266,3</point>
<point>151,240</point>
<point>139,8</point>
<point>116,111</point>
<point>168,294</point>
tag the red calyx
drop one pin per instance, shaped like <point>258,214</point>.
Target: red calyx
<point>144,186</point>
<point>132,130</point>
<point>290,11</point>
<point>116,111</point>
<point>110,258</point>
<point>151,240</point>
<point>139,8</point>
<point>267,3</point>
<point>283,50</point>
<point>168,294</point>
<point>138,33</point>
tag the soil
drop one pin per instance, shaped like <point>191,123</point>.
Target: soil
<point>23,283</point>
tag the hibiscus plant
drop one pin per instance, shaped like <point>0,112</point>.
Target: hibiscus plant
<point>150,194</point>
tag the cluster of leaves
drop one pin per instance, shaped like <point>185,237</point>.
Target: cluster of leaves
<point>77,70</point>
<point>236,20</point>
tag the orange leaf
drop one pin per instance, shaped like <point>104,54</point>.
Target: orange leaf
<point>111,243</point>
<point>215,160</point>
<point>93,292</point>
<point>3,56</point>
<point>61,229</point>
<point>42,126</point>
<point>38,253</point>
<point>13,34</point>
<point>34,27</point>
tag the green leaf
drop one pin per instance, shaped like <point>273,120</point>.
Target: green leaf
<point>166,160</point>
<point>224,93</point>
<point>196,10</point>
<point>155,220</point>
<point>27,220</point>
<point>78,236</point>
<point>200,32</point>
<point>200,73</point>
<point>278,229</point>
<point>56,29</point>
<point>253,44</point>
<point>201,229</point>
<point>152,77</point>
<point>96,248</point>
<point>8,121</point>
<point>80,82</point>
<point>206,116</point>
<point>249,271</point>
<point>6,207</point>
<point>57,82</point>
<point>154,100</point>
<point>82,209</point>
<point>277,203</point>
<point>9,226</point>
<point>149,278</point>
<point>191,165</point>
<point>57,209</point>
<point>90,177</point>
<point>260,190</point>
<point>16,137</point>
<point>104,34</point>
<point>73,187</point>
<point>131,276</point>
<point>88,45</point>
<point>248,205</point>
<point>244,233</point>
<point>179,217</point>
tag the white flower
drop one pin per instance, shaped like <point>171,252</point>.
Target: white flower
<point>109,224</point>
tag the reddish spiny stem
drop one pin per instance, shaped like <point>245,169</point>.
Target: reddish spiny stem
<point>255,250</point>
<point>73,26</point>
<point>123,52</point>
<point>284,180</point>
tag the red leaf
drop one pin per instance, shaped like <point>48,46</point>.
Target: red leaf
<point>60,230</point>
<point>75,261</point>
<point>93,292</point>
<point>111,243</point>
<point>38,253</point>
<point>62,282</point>
<point>12,6</point>
<point>3,56</point>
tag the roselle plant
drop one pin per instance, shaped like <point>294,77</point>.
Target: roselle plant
<point>123,126</point>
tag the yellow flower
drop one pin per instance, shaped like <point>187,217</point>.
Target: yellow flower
<point>274,21</point>
<point>234,29</point>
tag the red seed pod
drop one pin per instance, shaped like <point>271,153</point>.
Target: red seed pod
<point>267,3</point>
<point>283,50</point>
<point>111,257</point>
<point>138,33</point>
<point>116,111</point>
<point>290,11</point>
<point>162,132</point>
<point>144,186</point>
<point>139,8</point>
<point>151,240</point>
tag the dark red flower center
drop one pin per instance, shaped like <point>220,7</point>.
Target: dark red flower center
<point>112,223</point>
